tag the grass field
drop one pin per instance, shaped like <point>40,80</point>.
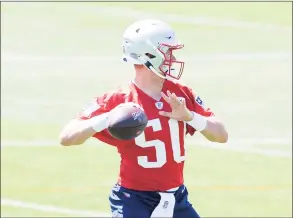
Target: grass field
<point>57,56</point>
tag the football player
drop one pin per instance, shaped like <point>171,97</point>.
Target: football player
<point>151,182</point>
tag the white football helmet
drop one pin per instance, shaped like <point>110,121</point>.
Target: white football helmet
<point>152,43</point>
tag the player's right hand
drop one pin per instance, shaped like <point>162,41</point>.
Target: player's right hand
<point>179,110</point>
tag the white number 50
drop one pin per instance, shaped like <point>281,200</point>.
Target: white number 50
<point>159,145</point>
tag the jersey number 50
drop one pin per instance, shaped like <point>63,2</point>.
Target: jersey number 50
<point>160,145</point>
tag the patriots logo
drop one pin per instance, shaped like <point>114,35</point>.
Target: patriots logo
<point>137,116</point>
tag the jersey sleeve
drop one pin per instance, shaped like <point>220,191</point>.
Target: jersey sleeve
<point>96,107</point>
<point>198,106</point>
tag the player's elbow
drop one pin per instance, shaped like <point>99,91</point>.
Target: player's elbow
<point>72,134</point>
<point>219,138</point>
<point>222,135</point>
<point>223,138</point>
<point>66,140</point>
<point>217,133</point>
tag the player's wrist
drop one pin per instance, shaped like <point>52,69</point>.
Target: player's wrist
<point>100,122</point>
<point>189,116</point>
<point>198,122</point>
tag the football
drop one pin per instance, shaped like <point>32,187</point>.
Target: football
<point>127,121</point>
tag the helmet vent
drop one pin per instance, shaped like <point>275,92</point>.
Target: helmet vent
<point>150,55</point>
<point>134,56</point>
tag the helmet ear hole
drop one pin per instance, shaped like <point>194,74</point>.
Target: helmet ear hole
<point>134,56</point>
<point>148,64</point>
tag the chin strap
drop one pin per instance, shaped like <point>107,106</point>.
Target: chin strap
<point>150,66</point>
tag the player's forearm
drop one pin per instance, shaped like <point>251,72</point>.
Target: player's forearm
<point>215,131</point>
<point>78,131</point>
<point>210,127</point>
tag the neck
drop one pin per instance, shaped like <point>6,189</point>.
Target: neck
<point>150,83</point>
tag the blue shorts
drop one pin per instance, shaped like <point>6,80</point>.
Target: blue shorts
<point>129,203</point>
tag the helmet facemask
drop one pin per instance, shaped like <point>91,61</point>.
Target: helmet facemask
<point>171,67</point>
<point>163,62</point>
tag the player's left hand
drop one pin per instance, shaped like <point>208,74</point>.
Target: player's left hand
<point>179,110</point>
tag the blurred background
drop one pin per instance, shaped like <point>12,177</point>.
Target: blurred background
<point>56,56</point>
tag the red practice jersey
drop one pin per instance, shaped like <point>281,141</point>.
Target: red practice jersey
<point>154,160</point>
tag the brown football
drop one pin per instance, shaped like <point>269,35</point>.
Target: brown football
<point>127,121</point>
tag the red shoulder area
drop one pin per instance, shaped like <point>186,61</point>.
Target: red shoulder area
<point>183,87</point>
<point>117,95</point>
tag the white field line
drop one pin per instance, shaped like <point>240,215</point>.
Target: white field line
<point>176,18</point>
<point>50,208</point>
<point>239,145</point>
<point>5,215</point>
<point>9,57</point>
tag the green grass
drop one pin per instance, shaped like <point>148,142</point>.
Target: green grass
<point>241,180</point>
<point>96,26</point>
<point>24,212</point>
<point>267,12</point>
<point>252,97</point>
